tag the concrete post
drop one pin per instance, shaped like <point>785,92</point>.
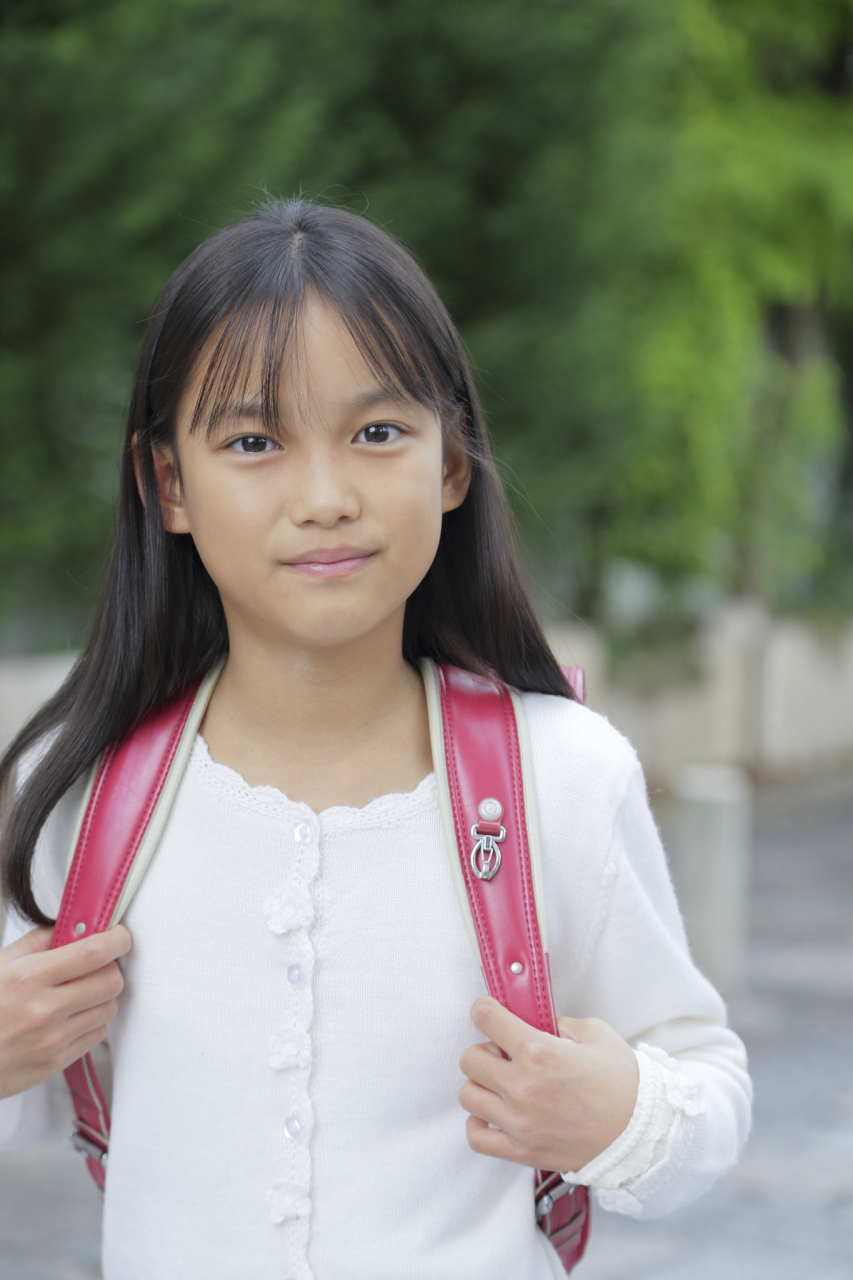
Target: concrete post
<point>710,832</point>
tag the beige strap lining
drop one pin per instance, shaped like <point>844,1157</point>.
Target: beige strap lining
<point>154,831</point>
<point>155,828</point>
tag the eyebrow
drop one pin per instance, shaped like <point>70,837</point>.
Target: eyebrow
<point>254,409</point>
<point>380,395</point>
<point>242,409</point>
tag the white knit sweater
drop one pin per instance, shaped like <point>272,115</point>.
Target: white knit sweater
<point>297,998</point>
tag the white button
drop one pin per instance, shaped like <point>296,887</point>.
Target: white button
<point>295,975</point>
<point>304,832</point>
<point>293,1127</point>
<point>490,810</point>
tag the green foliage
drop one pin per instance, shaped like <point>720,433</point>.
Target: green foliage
<point>639,211</point>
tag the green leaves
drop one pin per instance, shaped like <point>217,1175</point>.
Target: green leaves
<point>615,198</point>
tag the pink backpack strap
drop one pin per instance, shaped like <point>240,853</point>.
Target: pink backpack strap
<point>123,814</point>
<point>577,679</point>
<point>494,845</point>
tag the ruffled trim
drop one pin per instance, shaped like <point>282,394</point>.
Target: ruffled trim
<point>666,1096</point>
<point>682,1092</point>
<point>290,908</point>
<point>285,1201</point>
<point>233,789</point>
<point>290,1049</point>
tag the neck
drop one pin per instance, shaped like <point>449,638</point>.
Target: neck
<point>314,696</point>
<point>328,725</point>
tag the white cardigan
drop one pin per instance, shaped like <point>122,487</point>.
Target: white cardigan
<point>297,998</point>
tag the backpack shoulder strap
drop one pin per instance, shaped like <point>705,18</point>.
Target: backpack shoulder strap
<point>124,811</point>
<point>482,763</point>
<point>475,737</point>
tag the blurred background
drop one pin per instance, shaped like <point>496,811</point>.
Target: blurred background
<point>640,212</point>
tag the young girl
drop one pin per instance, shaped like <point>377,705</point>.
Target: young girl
<point>308,494</point>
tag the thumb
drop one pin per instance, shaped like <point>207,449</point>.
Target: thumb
<point>29,944</point>
<point>570,1029</point>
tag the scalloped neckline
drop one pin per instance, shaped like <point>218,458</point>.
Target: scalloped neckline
<point>266,796</point>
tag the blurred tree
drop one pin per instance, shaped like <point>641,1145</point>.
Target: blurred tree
<point>640,212</point>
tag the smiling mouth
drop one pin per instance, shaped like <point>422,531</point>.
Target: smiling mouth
<point>339,563</point>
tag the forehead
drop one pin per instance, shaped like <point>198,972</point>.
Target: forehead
<point>289,366</point>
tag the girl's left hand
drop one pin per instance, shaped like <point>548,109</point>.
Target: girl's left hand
<point>556,1103</point>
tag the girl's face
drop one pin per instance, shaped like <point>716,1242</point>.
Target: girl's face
<point>315,535</point>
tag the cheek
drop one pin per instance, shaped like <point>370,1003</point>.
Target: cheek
<point>414,509</point>
<point>227,521</point>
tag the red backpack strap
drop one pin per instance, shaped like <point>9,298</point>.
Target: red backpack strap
<point>122,817</point>
<point>577,680</point>
<point>479,746</point>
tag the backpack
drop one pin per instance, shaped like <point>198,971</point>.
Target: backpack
<point>481,757</point>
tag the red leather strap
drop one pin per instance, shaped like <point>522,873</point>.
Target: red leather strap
<point>127,786</point>
<point>483,760</point>
<point>577,680</point>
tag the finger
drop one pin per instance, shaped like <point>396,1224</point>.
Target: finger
<point>571,1029</point>
<point>82,1046</point>
<point>487,1066</point>
<point>506,1030</point>
<point>32,942</point>
<point>89,991</point>
<point>82,1024</point>
<point>77,959</point>
<point>488,1141</point>
<point>483,1104</point>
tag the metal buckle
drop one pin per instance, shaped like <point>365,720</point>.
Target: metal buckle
<point>546,1203</point>
<point>87,1146</point>
<point>486,856</point>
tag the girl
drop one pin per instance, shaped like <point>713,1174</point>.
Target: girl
<point>308,493</point>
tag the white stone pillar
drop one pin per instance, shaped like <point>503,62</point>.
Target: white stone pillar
<point>710,838</point>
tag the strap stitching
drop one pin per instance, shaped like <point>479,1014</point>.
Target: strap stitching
<point>143,822</point>
<point>81,1076</point>
<point>534,938</point>
<point>453,787</point>
<point>83,841</point>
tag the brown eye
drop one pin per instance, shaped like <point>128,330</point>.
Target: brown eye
<point>379,433</point>
<point>252,444</point>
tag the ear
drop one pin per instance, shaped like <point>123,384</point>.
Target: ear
<point>168,487</point>
<point>457,475</point>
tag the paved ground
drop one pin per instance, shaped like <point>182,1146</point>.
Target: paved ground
<point>785,1213</point>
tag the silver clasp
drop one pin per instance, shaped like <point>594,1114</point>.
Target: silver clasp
<point>546,1203</point>
<point>486,856</point>
<point>87,1146</point>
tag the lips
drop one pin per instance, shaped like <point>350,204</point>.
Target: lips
<point>337,562</point>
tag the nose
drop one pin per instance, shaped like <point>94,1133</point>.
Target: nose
<point>323,492</point>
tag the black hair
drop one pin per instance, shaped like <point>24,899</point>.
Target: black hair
<point>160,622</point>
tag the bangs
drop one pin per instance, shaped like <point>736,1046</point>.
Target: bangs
<point>235,310</point>
<point>261,340</point>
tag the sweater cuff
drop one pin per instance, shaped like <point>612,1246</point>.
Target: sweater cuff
<point>634,1151</point>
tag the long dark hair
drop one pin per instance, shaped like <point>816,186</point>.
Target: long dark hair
<point>160,622</point>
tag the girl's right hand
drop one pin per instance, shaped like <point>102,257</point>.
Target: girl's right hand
<point>55,1005</point>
